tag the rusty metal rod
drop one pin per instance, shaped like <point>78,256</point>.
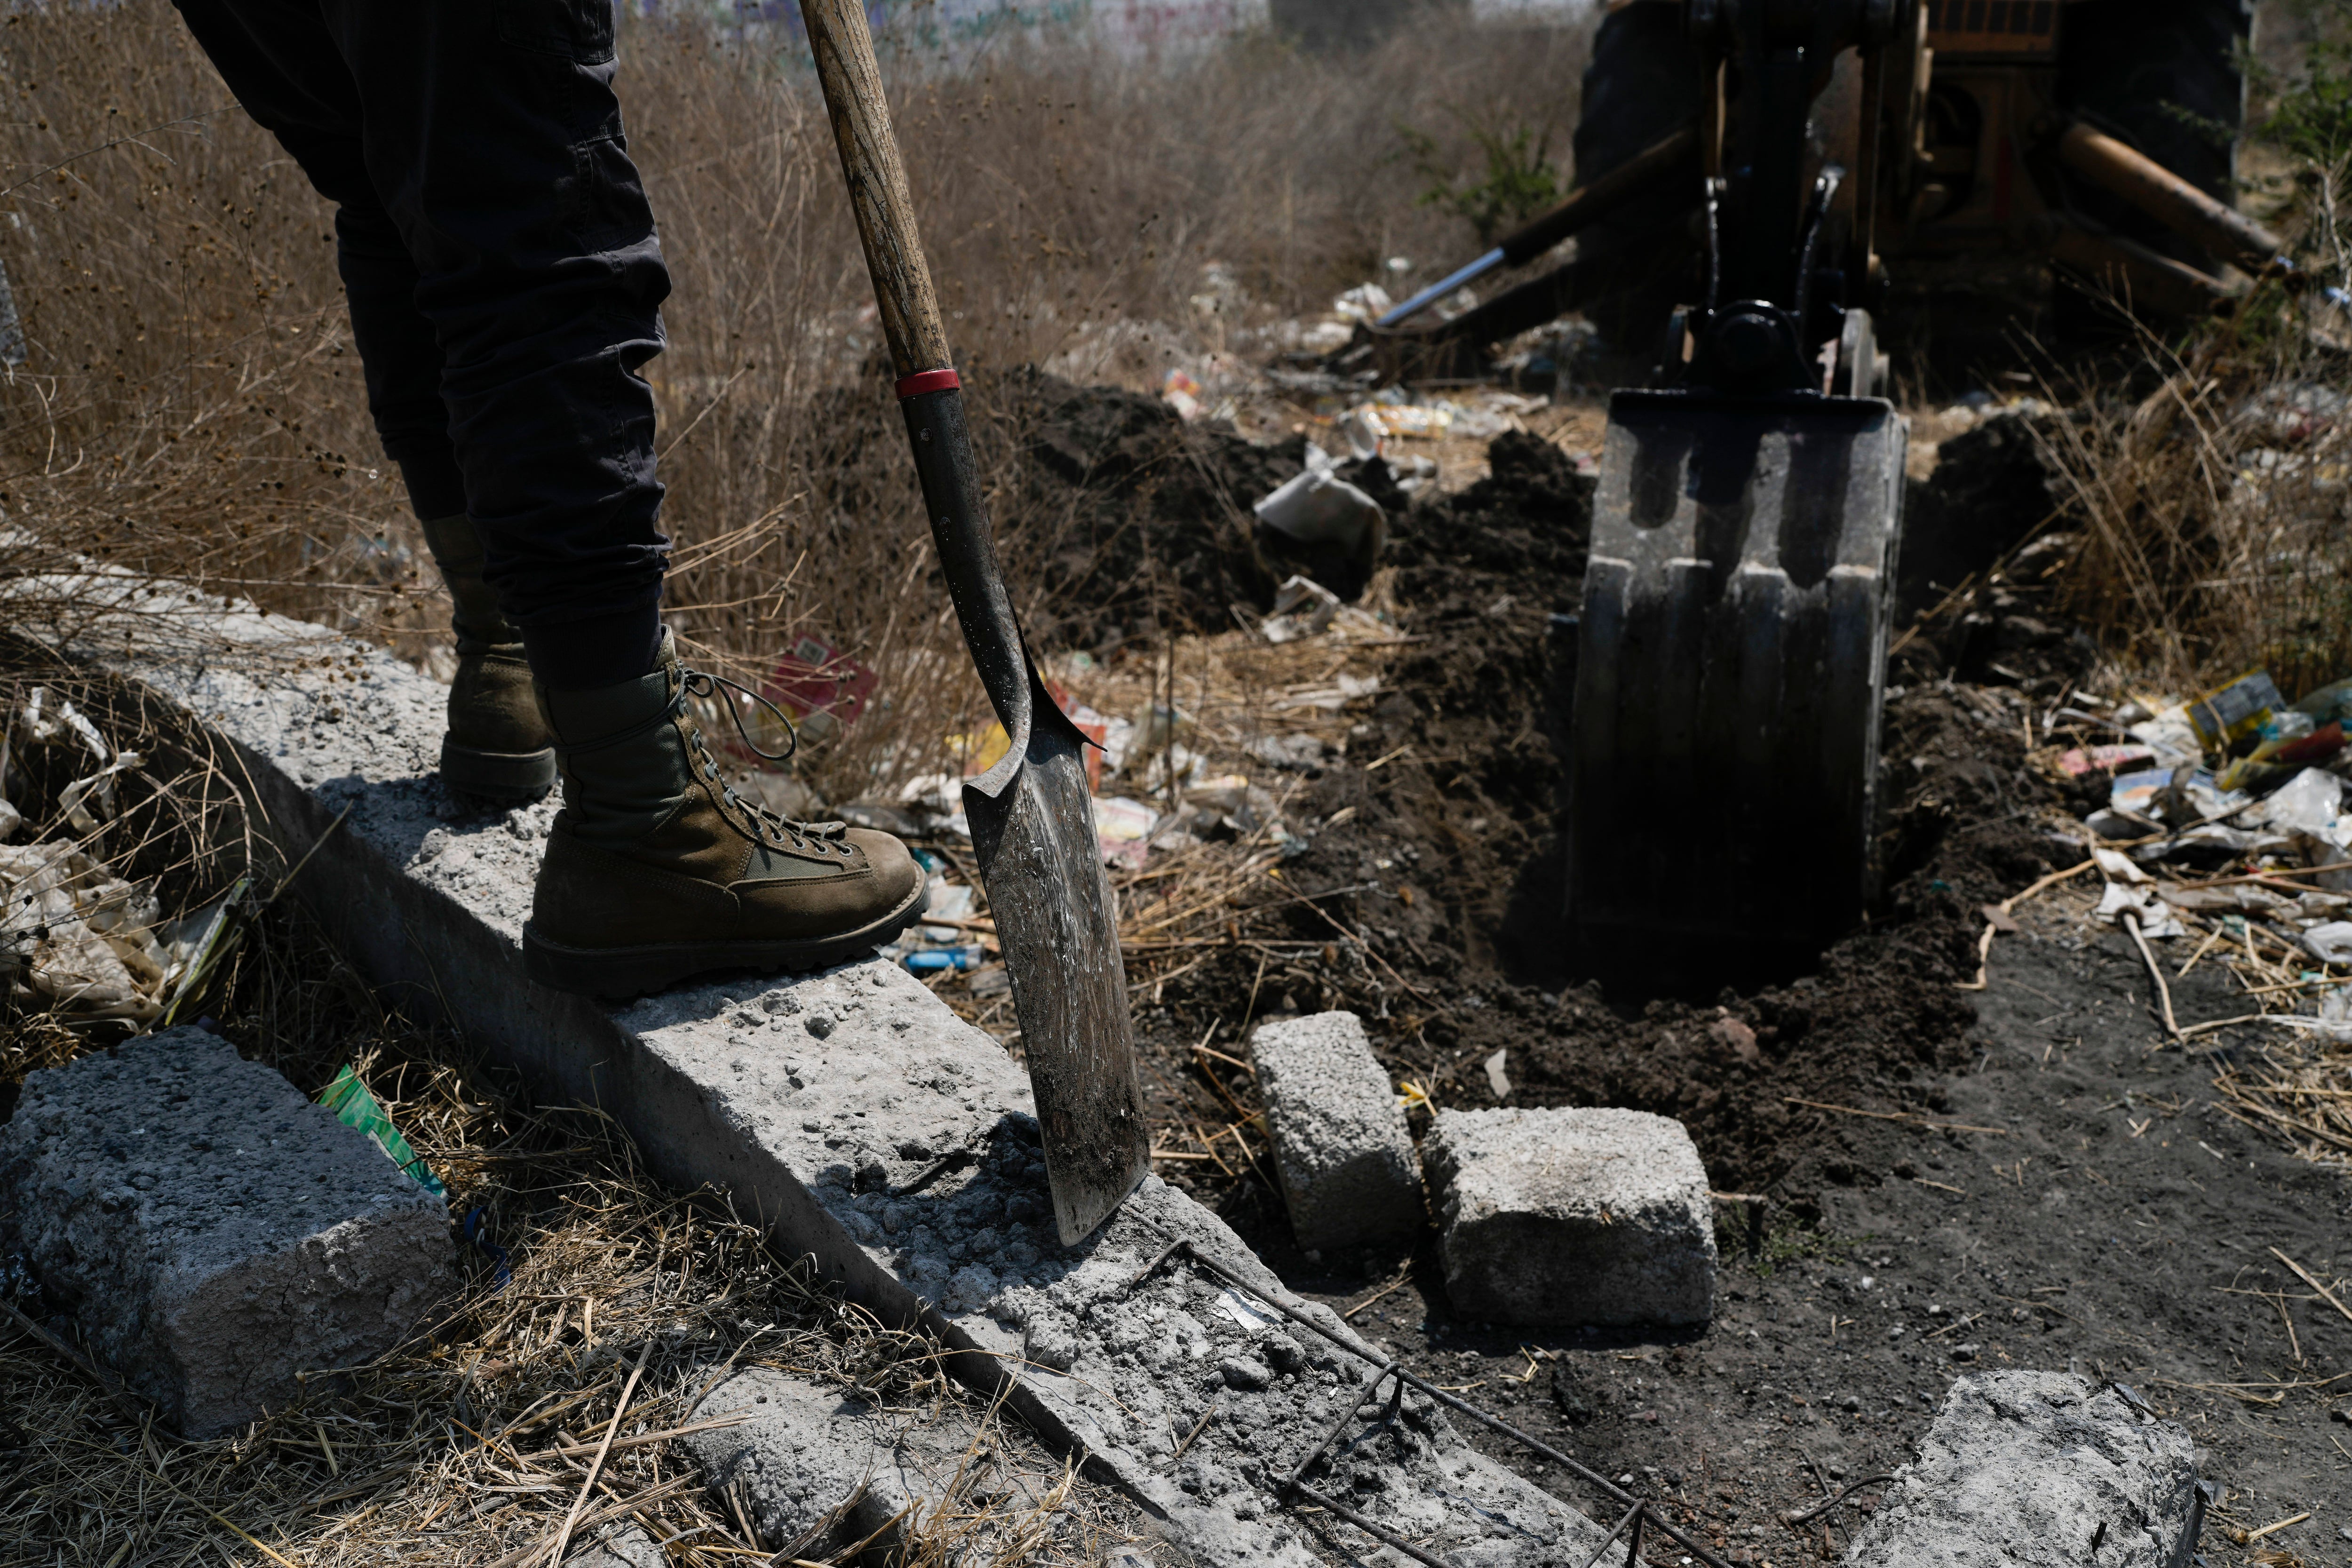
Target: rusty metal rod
<point>1365,1394</point>
<point>2226,233</point>
<point>1333,1506</point>
<point>1633,1547</point>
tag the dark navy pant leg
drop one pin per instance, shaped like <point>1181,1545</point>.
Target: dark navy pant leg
<point>481,140</point>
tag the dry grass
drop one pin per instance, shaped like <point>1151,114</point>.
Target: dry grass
<point>192,404</point>
<point>2215,496</point>
<point>175,828</point>
<point>1216,894</point>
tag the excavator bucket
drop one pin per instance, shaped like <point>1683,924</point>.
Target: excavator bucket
<point>1731,661</point>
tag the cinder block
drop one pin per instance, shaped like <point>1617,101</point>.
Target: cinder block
<point>2039,1469</point>
<point>216,1232</point>
<point>1341,1146</point>
<point>1571,1216</point>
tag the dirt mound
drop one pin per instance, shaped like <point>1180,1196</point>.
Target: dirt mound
<point>1992,488</point>
<point>1116,517</point>
<point>1129,515</point>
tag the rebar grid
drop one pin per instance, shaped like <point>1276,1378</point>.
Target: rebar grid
<point>1640,1511</point>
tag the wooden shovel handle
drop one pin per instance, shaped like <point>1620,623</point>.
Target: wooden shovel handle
<point>852,81</point>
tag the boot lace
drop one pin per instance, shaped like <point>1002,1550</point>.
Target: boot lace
<point>771,826</point>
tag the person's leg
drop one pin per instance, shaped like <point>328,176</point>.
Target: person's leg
<point>277,59</point>
<point>494,136</point>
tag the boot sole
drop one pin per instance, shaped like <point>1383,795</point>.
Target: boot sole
<point>505,776</point>
<point>618,974</point>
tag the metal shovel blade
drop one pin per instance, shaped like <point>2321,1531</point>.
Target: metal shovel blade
<point>1032,824</point>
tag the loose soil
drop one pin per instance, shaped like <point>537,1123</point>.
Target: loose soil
<point>1892,1257</point>
<point>1117,519</point>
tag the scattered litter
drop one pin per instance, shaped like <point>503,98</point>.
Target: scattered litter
<point>2144,904</point>
<point>2117,866</point>
<point>1123,831</point>
<point>2239,897</point>
<point>947,900</point>
<point>97,789</point>
<point>42,724</point>
<point>1298,753</point>
<point>1302,609</point>
<point>1497,1078</point>
<point>2330,943</point>
<point>1363,304</point>
<point>2169,735</point>
<point>2286,740</point>
<point>1317,508</point>
<point>821,690</point>
<point>1362,431</point>
<point>1240,1314</point>
<point>2331,703</point>
<point>1419,421</point>
<point>1330,698</point>
<point>2310,803</point>
<point>2137,792</point>
<point>353,1105</point>
<point>934,960</point>
<point>2102,759</point>
<point>77,939</point>
<point>2238,709</point>
<point>1181,393</point>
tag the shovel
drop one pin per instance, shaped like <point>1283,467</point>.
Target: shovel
<point>1032,815</point>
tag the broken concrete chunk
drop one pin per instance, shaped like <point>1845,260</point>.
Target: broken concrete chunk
<point>1571,1216</point>
<point>2031,1468</point>
<point>1340,1141</point>
<point>815,1469</point>
<point>216,1232</point>
<point>626,1547</point>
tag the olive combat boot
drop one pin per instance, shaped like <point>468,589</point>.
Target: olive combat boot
<point>498,747</point>
<point>656,870</point>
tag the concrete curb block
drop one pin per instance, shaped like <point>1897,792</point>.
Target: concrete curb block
<point>850,1110</point>
<point>2030,1468</point>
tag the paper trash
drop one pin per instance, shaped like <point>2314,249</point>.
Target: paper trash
<point>1123,831</point>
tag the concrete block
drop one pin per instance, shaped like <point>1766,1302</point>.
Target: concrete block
<point>627,1546</point>
<point>216,1232</point>
<point>1341,1147</point>
<point>1570,1216</point>
<point>2039,1469</point>
<point>866,1124</point>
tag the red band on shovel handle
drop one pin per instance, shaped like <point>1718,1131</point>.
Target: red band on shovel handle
<point>924,381</point>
